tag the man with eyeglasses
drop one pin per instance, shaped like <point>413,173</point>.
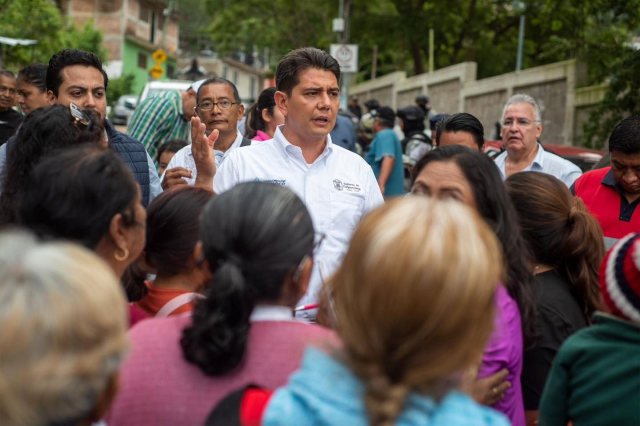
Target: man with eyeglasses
<point>10,119</point>
<point>521,128</point>
<point>219,107</point>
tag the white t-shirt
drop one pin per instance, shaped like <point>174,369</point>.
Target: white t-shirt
<point>339,188</point>
<point>184,158</point>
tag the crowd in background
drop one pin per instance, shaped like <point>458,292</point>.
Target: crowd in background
<point>317,267</point>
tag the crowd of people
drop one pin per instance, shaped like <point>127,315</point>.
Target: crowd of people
<point>302,270</point>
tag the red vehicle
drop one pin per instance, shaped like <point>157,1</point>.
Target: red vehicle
<point>582,157</point>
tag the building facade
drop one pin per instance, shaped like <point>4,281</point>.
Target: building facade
<point>132,31</point>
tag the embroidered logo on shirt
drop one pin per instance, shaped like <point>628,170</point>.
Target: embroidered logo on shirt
<point>281,182</point>
<point>343,186</point>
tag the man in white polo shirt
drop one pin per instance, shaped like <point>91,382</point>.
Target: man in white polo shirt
<point>337,186</point>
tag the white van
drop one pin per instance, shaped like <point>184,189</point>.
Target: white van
<point>154,88</point>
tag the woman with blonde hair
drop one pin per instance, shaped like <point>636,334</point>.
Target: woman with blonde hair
<point>64,323</point>
<point>414,303</point>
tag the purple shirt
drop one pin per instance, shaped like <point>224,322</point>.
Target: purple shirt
<point>504,350</point>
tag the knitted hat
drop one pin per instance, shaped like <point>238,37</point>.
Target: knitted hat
<point>620,278</point>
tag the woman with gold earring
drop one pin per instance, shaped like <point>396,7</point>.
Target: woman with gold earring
<point>88,195</point>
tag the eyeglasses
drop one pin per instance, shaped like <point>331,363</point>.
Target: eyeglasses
<point>78,115</point>
<point>522,122</point>
<point>316,246</point>
<point>208,105</point>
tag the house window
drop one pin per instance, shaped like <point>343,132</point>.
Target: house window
<point>144,14</point>
<point>235,77</point>
<point>142,61</point>
<point>170,71</point>
<point>253,88</point>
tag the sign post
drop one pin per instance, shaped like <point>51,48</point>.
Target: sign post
<point>347,57</point>
<point>160,57</point>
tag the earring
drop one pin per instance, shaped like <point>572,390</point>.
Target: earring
<point>122,258</point>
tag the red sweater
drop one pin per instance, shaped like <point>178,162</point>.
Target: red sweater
<point>601,194</point>
<point>158,387</point>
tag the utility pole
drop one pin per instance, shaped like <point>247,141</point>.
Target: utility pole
<point>167,17</point>
<point>520,42</point>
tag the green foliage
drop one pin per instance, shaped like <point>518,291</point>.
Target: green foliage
<point>42,20</point>
<point>121,86</point>
<point>621,99</point>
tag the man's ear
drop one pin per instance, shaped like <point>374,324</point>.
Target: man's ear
<point>282,102</point>
<point>240,112</point>
<point>51,97</point>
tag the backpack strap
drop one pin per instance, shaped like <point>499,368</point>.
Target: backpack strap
<point>176,303</point>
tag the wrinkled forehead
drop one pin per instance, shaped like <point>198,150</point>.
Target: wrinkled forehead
<point>80,75</point>
<point>7,81</point>
<point>520,110</point>
<point>626,160</point>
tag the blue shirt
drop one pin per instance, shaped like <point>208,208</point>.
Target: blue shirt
<point>387,145</point>
<point>545,162</point>
<point>325,392</point>
<point>343,134</point>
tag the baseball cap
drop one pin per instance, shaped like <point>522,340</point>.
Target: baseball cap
<point>424,98</point>
<point>411,113</point>
<point>386,113</point>
<point>366,125</point>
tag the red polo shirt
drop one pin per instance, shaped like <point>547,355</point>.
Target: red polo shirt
<point>605,199</point>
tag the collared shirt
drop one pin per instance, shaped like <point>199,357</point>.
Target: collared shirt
<point>339,188</point>
<point>545,162</point>
<point>159,119</point>
<point>386,145</point>
<point>605,199</point>
<point>184,158</point>
<point>271,313</point>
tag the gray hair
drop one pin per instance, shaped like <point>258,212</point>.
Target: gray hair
<point>63,320</point>
<point>521,98</point>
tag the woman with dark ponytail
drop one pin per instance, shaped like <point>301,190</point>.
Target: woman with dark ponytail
<point>567,247</point>
<point>256,246</point>
<point>264,117</point>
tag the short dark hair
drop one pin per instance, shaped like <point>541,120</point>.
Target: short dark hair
<point>496,209</point>
<point>253,237</point>
<point>69,57</point>
<point>75,194</point>
<point>173,145</point>
<point>461,122</point>
<point>7,73</point>
<point>43,132</point>
<point>36,75</point>
<point>625,137</point>
<point>219,80</point>
<point>300,60</point>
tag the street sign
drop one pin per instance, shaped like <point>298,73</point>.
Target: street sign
<point>159,56</point>
<point>156,72</point>
<point>346,55</point>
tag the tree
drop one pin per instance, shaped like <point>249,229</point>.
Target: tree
<point>41,20</point>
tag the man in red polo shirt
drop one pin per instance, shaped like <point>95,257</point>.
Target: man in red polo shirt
<point>612,194</point>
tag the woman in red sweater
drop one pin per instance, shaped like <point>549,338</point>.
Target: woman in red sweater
<point>257,244</point>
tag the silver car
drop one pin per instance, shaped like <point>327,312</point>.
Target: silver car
<point>124,109</point>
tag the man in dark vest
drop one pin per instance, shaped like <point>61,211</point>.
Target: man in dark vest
<point>77,76</point>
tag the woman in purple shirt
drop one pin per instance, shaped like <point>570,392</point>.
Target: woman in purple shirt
<point>471,177</point>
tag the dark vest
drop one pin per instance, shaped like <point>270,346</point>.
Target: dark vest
<point>134,154</point>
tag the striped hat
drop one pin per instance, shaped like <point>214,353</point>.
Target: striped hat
<point>620,278</point>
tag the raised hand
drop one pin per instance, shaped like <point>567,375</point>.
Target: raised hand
<point>202,150</point>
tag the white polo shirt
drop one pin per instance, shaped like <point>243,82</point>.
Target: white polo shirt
<point>184,158</point>
<point>339,188</point>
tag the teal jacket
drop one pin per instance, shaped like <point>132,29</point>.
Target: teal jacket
<point>325,392</point>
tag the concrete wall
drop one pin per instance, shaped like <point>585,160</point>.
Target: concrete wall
<point>455,89</point>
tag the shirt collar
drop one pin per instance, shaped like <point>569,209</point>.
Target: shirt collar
<point>609,179</point>
<point>285,147</point>
<point>271,313</point>
<point>539,158</point>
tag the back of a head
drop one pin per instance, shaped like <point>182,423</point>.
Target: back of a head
<point>560,232</point>
<point>43,132</point>
<point>300,60</point>
<point>64,325</point>
<point>75,194</point>
<point>496,209</point>
<point>35,75</point>
<point>267,101</point>
<point>253,237</point>
<point>414,299</point>
<point>173,224</point>
<point>67,58</point>
<point>461,122</point>
<point>625,137</point>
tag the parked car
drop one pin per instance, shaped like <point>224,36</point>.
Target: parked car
<point>154,88</point>
<point>584,158</point>
<point>124,108</point>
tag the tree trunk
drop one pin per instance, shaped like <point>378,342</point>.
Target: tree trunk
<point>418,65</point>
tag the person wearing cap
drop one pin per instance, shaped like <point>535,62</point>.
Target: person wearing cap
<point>423,102</point>
<point>354,107</point>
<point>415,143</point>
<point>218,106</point>
<point>612,194</point>
<point>164,117</point>
<point>595,378</point>
<point>385,154</point>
